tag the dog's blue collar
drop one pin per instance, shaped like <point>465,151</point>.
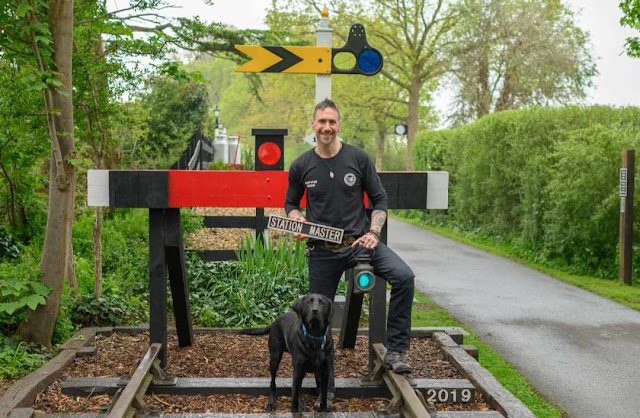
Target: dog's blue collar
<point>313,337</point>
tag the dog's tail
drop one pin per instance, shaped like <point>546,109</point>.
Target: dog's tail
<point>255,331</point>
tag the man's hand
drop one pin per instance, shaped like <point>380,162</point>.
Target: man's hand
<point>297,216</point>
<point>371,239</point>
<point>368,241</point>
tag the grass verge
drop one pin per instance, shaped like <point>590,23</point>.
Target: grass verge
<point>427,313</point>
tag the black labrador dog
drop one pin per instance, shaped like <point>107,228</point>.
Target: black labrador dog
<point>305,333</point>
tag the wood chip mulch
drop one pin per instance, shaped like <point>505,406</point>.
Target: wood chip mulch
<point>232,356</point>
<point>225,238</point>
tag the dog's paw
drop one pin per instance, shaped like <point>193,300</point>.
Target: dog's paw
<point>300,408</point>
<point>327,409</point>
<point>329,404</point>
<point>271,406</point>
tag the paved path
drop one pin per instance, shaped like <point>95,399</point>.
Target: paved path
<point>577,349</point>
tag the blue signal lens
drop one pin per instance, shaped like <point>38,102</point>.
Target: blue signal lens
<point>369,61</point>
<point>365,280</point>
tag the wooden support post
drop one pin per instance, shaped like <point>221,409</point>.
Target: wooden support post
<point>626,215</point>
<point>166,255</point>
<point>351,315</point>
<point>377,310</point>
<point>157,283</point>
<point>174,255</point>
<point>261,223</point>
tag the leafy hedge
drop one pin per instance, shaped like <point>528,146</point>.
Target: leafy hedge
<point>544,179</point>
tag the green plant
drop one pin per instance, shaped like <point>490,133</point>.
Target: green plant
<point>89,311</point>
<point>220,165</point>
<point>190,221</point>
<point>247,158</point>
<point>8,246</point>
<point>17,360</point>
<point>252,291</point>
<point>20,289</point>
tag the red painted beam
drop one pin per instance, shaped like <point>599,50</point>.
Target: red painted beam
<point>234,189</point>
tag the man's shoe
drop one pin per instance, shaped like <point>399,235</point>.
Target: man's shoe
<point>330,397</point>
<point>393,361</point>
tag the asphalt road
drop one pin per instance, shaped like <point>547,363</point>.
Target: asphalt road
<point>578,350</point>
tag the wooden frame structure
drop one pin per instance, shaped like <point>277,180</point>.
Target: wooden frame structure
<point>163,192</point>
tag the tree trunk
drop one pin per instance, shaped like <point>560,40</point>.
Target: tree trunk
<point>97,252</point>
<point>380,146</point>
<point>38,326</point>
<point>11,209</point>
<point>484,95</point>
<point>71,267</point>
<point>412,120</point>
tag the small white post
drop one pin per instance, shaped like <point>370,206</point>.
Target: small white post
<point>324,37</point>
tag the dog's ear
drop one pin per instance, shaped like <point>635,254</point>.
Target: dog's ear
<point>297,306</point>
<point>330,309</point>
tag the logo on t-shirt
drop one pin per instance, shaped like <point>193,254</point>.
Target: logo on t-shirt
<point>310,183</point>
<point>350,179</point>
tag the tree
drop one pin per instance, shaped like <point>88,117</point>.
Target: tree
<point>38,36</point>
<point>631,19</point>
<point>177,109</point>
<point>22,151</point>
<point>513,53</point>
<point>414,38</point>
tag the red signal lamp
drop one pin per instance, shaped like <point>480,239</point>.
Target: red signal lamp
<point>269,153</point>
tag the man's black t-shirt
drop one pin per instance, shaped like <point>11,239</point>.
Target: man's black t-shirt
<point>337,201</point>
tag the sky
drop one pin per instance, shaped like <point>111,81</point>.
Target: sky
<point>618,82</point>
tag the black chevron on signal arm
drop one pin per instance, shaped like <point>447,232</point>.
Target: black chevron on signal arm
<point>288,59</point>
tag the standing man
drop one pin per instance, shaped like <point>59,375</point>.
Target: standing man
<point>335,175</point>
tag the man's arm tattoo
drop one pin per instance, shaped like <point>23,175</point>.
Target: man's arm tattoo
<point>378,218</point>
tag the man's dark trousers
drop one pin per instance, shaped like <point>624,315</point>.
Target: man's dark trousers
<point>326,268</point>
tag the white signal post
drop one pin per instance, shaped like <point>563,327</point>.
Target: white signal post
<point>324,37</point>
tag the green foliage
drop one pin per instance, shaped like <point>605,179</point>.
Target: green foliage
<point>18,359</point>
<point>190,221</point>
<point>430,148</point>
<point>631,19</point>
<point>248,159</point>
<point>253,291</point>
<point>8,246</point>
<point>495,67</point>
<point>220,165</point>
<point>106,311</point>
<point>177,110</point>
<point>125,237</point>
<point>20,289</point>
<point>64,327</point>
<point>544,180</point>
<point>23,148</point>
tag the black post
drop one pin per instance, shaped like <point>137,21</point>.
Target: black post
<point>378,310</point>
<point>201,146</point>
<point>350,315</point>
<point>626,215</point>
<point>174,254</point>
<point>260,224</point>
<point>157,283</point>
